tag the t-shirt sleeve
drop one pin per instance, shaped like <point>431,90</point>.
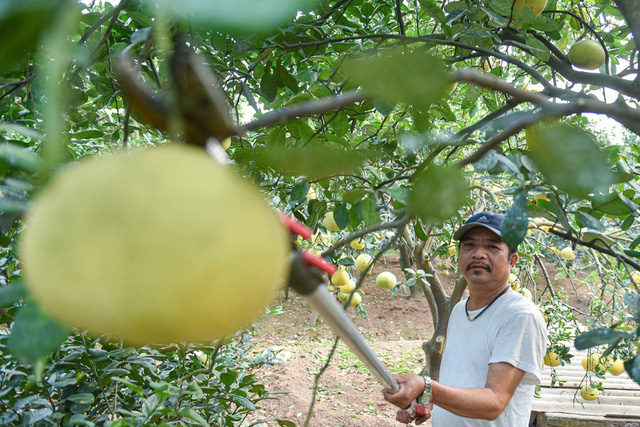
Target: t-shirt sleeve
<point>521,342</point>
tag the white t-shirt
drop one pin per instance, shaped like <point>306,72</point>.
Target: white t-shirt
<point>512,330</point>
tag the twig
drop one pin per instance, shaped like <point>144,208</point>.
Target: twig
<point>546,276</point>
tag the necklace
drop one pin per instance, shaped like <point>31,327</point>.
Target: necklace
<point>466,305</point>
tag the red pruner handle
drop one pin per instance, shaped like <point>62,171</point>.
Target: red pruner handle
<point>318,262</point>
<point>416,410</point>
<point>295,227</point>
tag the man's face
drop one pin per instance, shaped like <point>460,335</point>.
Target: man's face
<point>484,257</point>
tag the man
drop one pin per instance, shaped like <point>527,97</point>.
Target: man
<point>496,340</point>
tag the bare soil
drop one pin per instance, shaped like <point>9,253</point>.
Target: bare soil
<point>348,394</point>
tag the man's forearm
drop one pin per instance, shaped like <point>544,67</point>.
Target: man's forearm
<point>480,403</point>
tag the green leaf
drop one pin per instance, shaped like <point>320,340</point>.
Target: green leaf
<point>22,23</point>
<point>610,204</point>
<point>193,415</point>
<point>633,368</point>
<point>87,134</point>
<point>400,194</point>
<point>586,220</point>
<point>315,161</point>
<point>597,237</point>
<point>515,223</point>
<point>299,191</point>
<point>600,336</point>
<point>134,387</point>
<point>420,233</point>
<point>384,108</point>
<point>486,162</point>
<point>243,401</point>
<point>242,16</point>
<point>12,206</point>
<point>12,293</point>
<point>367,211</point>
<point>35,334</point>
<point>354,196</point>
<point>570,159</point>
<point>286,423</point>
<point>85,398</point>
<point>269,85</point>
<point>438,193</point>
<point>399,75</point>
<point>18,157</point>
<point>341,216</point>
<point>627,223</point>
<point>633,301</point>
<point>433,10</point>
<point>21,130</point>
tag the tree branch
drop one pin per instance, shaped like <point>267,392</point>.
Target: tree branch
<point>597,247</point>
<point>306,109</point>
<point>399,16</point>
<point>384,226</point>
<point>581,104</point>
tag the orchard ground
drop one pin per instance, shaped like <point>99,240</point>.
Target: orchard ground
<point>348,395</point>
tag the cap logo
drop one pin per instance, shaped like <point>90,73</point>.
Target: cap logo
<point>483,219</point>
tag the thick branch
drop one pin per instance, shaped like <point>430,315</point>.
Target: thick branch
<point>458,290</point>
<point>306,109</point>
<point>625,87</point>
<point>437,289</point>
<point>583,104</point>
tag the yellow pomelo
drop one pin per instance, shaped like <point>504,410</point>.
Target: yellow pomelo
<point>591,363</point>
<point>568,254</point>
<point>635,276</point>
<point>330,223</point>
<point>537,6</point>
<point>342,297</point>
<point>150,246</point>
<point>445,273</point>
<point>587,54</point>
<point>357,244</point>
<point>589,392</point>
<point>363,261</point>
<point>551,359</point>
<point>226,143</point>
<point>311,194</point>
<point>452,251</point>
<point>526,293</point>
<point>314,251</point>
<point>386,280</point>
<point>617,367</point>
<point>356,299</point>
<point>348,287</point>
<point>340,277</point>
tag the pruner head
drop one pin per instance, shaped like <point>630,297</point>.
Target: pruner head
<point>307,270</point>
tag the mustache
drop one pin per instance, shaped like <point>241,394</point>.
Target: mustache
<point>478,264</point>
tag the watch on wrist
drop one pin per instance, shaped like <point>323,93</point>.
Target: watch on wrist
<point>425,398</point>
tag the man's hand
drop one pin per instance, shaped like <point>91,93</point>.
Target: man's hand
<point>411,387</point>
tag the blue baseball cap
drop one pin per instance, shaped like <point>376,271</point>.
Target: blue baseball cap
<point>485,219</point>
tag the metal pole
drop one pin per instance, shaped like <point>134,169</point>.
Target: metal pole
<point>333,314</point>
